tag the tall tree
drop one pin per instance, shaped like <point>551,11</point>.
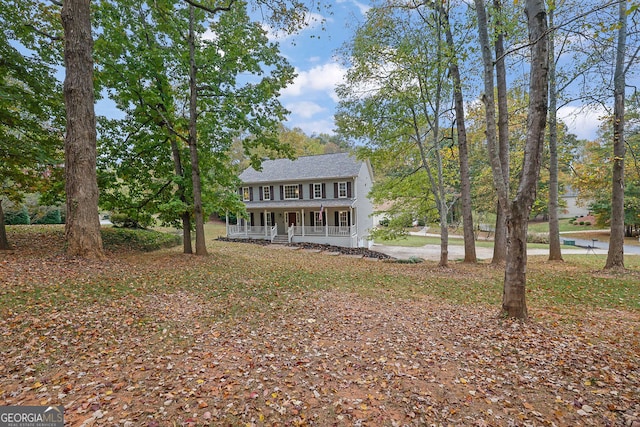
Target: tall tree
<point>82,230</point>
<point>463,151</point>
<point>555,253</point>
<point>395,92</point>
<point>517,210</point>
<point>615,255</point>
<point>31,110</point>
<point>147,167</point>
<point>499,26</point>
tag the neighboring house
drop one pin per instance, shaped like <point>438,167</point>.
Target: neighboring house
<point>316,199</point>
<point>572,208</point>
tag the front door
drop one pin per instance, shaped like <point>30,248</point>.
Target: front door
<point>292,219</point>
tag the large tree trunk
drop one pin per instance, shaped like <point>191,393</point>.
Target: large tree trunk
<point>555,253</point>
<point>514,294</point>
<point>463,152</point>
<point>186,216</point>
<point>4,242</point>
<point>615,256</point>
<point>500,237</point>
<point>82,230</point>
<point>201,246</point>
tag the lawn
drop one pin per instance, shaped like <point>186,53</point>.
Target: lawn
<point>253,335</point>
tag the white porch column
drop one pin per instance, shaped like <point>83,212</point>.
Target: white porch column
<point>302,219</point>
<point>246,227</point>
<point>226,221</point>
<point>266,230</point>
<point>326,225</point>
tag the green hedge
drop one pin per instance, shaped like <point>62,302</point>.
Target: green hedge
<point>116,239</point>
<point>17,216</point>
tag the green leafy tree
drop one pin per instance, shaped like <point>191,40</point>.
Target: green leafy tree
<point>30,111</point>
<point>396,91</point>
<point>147,162</point>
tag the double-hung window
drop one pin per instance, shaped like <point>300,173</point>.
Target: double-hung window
<point>266,193</point>
<point>342,190</point>
<point>268,221</point>
<point>246,194</point>
<point>317,191</point>
<point>291,192</point>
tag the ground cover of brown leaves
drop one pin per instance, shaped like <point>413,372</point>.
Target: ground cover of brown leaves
<point>263,336</point>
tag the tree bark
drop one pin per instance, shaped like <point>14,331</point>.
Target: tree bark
<point>4,242</point>
<point>201,246</point>
<point>501,186</point>
<point>463,152</point>
<point>615,255</point>
<point>555,254</point>
<point>82,230</point>
<point>186,216</point>
<point>514,294</point>
<point>500,237</point>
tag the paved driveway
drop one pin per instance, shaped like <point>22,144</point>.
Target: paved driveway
<point>432,252</point>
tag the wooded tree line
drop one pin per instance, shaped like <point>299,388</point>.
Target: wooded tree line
<point>452,101</point>
<point>457,102</point>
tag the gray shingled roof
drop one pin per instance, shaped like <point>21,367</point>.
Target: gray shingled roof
<point>324,166</point>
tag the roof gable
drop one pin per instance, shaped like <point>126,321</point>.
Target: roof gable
<point>324,166</point>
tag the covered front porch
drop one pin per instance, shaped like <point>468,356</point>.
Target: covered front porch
<point>330,222</point>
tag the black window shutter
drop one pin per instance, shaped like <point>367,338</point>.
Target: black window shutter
<point>300,195</point>
<point>240,191</point>
<point>348,189</point>
<point>324,190</point>
<point>312,217</point>
<point>324,217</point>
<point>349,218</point>
<point>337,218</point>
<point>273,218</point>
<point>260,191</point>
<point>262,219</point>
<point>335,190</point>
<point>312,194</point>
<point>281,192</point>
<point>251,194</point>
<point>251,219</point>
<point>271,195</point>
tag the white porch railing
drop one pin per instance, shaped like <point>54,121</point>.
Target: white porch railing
<point>250,230</point>
<point>323,230</point>
<point>274,232</point>
<point>290,233</point>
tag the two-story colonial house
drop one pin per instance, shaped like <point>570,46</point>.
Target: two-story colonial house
<point>316,199</point>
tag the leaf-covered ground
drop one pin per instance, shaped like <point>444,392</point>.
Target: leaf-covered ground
<point>254,335</point>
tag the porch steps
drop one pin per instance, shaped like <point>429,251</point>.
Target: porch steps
<point>280,240</point>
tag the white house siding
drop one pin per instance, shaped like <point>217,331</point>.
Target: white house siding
<point>364,210</point>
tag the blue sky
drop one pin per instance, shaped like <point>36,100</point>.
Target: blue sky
<point>311,98</point>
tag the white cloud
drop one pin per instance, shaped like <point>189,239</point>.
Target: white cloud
<point>305,109</point>
<point>581,121</point>
<point>313,127</point>
<point>322,78</point>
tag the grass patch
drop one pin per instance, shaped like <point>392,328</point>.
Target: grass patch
<point>564,225</point>
<point>237,279</point>
<point>117,239</point>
